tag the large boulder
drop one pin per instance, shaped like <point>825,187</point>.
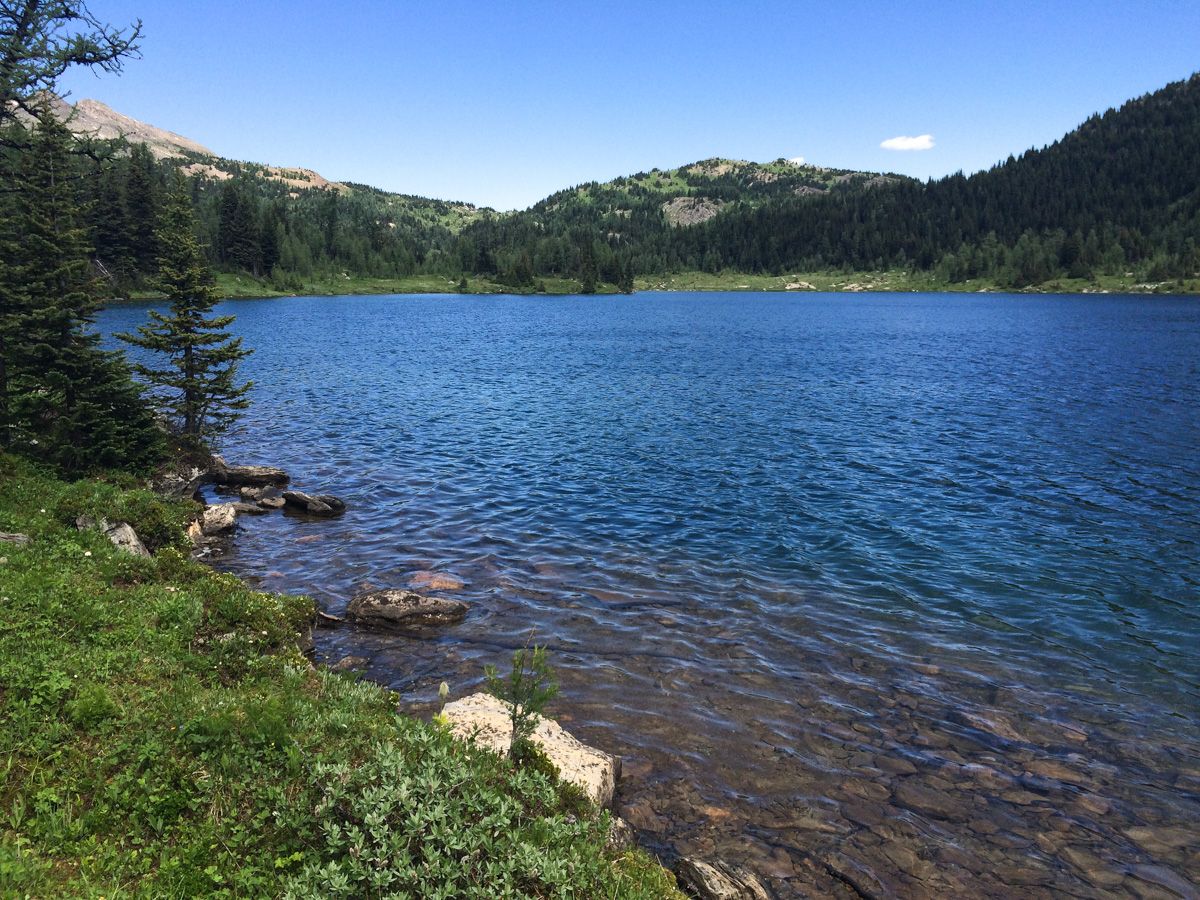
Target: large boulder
<point>718,881</point>
<point>219,518</point>
<point>404,611</point>
<point>254,476</point>
<point>485,719</point>
<point>314,504</point>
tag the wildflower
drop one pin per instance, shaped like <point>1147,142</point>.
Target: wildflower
<point>87,552</point>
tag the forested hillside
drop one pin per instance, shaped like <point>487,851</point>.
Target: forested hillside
<point>1120,192</point>
<point>1117,198</point>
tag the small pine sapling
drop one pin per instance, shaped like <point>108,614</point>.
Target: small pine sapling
<point>526,690</point>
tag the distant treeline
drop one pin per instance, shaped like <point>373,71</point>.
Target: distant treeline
<point>1120,194</point>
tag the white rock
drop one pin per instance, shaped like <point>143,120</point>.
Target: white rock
<point>216,519</point>
<point>485,718</point>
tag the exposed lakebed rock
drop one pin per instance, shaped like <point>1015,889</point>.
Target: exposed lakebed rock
<point>397,610</point>
<point>485,719</point>
<point>247,475</point>
<point>314,504</point>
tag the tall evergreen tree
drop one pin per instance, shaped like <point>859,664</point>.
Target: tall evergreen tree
<point>198,387</point>
<point>67,401</point>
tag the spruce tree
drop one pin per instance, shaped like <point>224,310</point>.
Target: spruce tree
<point>198,387</point>
<point>66,400</point>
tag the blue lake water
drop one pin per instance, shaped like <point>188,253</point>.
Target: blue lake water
<point>893,590</point>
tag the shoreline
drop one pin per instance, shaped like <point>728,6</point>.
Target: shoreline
<point>244,287</point>
<point>165,734</point>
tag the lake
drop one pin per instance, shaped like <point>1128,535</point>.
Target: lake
<point>895,594</point>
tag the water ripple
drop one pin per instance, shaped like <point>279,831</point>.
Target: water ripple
<point>901,587</point>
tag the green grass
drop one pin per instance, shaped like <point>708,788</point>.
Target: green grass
<point>244,286</point>
<point>161,736</point>
<point>229,285</point>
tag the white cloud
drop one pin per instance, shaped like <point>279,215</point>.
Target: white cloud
<point>920,142</point>
<point>797,160</point>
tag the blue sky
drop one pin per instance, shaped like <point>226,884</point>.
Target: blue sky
<point>502,103</point>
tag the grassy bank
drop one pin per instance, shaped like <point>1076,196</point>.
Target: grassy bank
<point>161,736</point>
<point>245,286</point>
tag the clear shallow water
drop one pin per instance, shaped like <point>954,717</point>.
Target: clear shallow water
<point>892,591</point>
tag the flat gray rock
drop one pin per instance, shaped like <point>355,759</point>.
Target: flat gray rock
<point>485,719</point>
<point>315,504</point>
<point>397,610</point>
<point>253,476</point>
<point>13,538</point>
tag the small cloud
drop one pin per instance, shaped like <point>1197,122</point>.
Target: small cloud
<point>920,142</point>
<point>797,160</point>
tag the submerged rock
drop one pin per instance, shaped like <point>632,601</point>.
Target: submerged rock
<point>219,518</point>
<point>485,719</point>
<point>718,881</point>
<point>315,504</point>
<point>349,664</point>
<point>247,475</point>
<point>435,581</point>
<point>404,611</point>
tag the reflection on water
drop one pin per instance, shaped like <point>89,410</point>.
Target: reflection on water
<point>892,595</point>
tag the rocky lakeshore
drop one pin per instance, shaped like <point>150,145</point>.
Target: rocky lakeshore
<point>922,799</point>
<point>479,718</point>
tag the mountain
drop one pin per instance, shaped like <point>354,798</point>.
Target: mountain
<point>95,119</point>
